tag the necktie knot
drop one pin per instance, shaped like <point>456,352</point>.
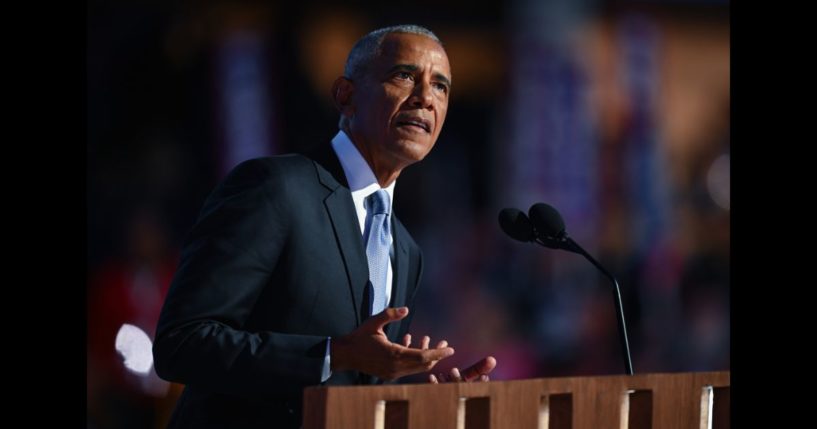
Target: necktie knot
<point>378,202</point>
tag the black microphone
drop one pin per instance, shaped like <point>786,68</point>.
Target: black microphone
<point>550,228</point>
<point>516,224</point>
<point>547,228</point>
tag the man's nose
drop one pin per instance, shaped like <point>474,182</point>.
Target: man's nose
<point>422,96</point>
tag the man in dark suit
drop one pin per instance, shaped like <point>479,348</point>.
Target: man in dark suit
<point>296,272</point>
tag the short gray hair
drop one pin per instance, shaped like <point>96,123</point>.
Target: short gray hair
<point>368,48</point>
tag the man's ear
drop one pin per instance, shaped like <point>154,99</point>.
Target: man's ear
<point>342,91</point>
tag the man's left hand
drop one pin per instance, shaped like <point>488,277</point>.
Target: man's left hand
<point>476,372</point>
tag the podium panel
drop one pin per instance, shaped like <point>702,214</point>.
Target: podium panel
<point>697,400</point>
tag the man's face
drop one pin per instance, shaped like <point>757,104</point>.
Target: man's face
<point>401,101</point>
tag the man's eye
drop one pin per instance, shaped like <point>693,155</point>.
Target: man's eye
<point>441,87</point>
<point>404,75</point>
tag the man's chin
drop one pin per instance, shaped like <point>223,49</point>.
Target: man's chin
<point>412,151</point>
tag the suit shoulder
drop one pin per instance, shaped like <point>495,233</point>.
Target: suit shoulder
<point>271,165</point>
<point>273,171</point>
<point>271,181</point>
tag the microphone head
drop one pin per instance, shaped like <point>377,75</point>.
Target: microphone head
<point>516,225</point>
<point>547,221</point>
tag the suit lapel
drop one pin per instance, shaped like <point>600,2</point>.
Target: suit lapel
<point>400,273</point>
<point>342,213</point>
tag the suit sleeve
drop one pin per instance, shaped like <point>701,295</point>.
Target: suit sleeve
<point>227,261</point>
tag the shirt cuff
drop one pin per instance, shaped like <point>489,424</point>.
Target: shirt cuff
<point>327,369</point>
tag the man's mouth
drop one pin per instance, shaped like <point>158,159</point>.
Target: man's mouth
<point>415,122</point>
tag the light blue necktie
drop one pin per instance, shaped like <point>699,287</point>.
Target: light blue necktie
<point>378,245</point>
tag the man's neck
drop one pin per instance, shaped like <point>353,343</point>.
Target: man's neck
<point>385,170</point>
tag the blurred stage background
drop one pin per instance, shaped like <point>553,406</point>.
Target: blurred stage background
<point>617,113</point>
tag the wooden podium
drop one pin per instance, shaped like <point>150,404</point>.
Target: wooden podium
<point>661,401</point>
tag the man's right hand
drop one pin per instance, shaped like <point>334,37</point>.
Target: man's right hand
<point>368,350</point>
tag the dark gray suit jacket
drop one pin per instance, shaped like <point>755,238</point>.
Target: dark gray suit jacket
<point>274,265</point>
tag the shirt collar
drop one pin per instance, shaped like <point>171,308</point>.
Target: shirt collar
<point>359,174</point>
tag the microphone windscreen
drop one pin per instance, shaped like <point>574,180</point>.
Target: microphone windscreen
<point>547,220</point>
<point>516,224</point>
